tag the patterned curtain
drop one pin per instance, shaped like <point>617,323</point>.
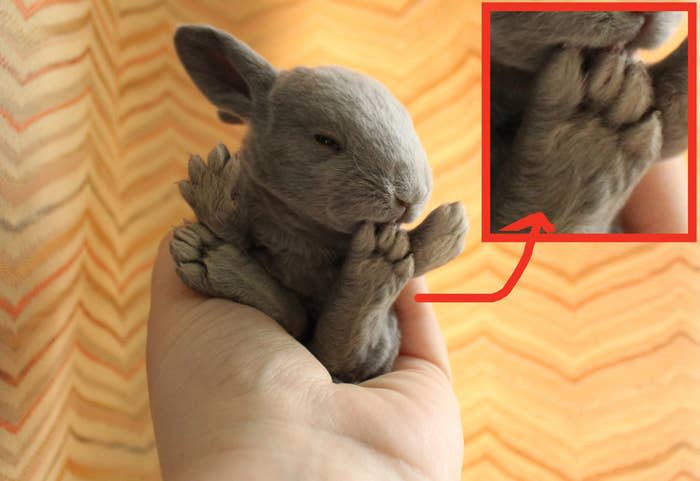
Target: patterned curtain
<point>588,371</point>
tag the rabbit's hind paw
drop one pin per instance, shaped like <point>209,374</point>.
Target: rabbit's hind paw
<point>189,247</point>
<point>210,189</point>
<point>379,262</point>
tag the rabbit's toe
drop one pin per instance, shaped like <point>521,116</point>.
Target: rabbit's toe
<point>400,248</point>
<point>634,99</point>
<point>605,77</point>
<point>386,236</point>
<point>189,247</point>
<point>194,275</point>
<point>218,158</point>
<point>393,242</point>
<point>560,87</point>
<point>193,236</point>
<point>363,241</point>
<point>183,250</point>
<point>187,192</point>
<point>196,169</point>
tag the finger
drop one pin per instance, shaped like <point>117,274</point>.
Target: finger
<point>657,205</point>
<point>421,338</point>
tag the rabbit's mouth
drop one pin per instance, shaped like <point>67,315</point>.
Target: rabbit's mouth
<point>395,216</point>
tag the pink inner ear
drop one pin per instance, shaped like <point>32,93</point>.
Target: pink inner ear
<point>227,73</point>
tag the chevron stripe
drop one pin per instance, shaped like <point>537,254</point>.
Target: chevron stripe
<point>587,372</point>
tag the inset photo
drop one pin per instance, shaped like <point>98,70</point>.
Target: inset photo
<point>586,119</point>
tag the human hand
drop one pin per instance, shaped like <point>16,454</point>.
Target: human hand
<point>233,396</point>
<point>659,203</point>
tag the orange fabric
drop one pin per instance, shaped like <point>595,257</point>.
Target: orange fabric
<point>588,370</point>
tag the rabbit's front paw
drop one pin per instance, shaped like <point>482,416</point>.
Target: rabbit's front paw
<point>189,247</point>
<point>209,189</point>
<point>379,262</point>
<point>439,238</point>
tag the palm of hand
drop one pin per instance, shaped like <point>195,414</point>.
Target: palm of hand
<point>232,392</point>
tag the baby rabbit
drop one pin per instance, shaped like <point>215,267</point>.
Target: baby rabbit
<point>303,223</point>
<point>575,121</point>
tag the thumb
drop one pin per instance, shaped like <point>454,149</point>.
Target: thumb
<point>421,338</point>
<point>168,293</point>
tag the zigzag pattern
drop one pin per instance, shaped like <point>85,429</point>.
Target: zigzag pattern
<point>587,372</point>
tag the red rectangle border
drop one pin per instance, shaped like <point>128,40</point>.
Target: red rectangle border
<point>487,8</point>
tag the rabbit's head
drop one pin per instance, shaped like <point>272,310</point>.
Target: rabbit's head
<point>524,40</point>
<point>332,144</point>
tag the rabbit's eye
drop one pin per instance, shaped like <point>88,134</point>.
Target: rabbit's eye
<point>328,141</point>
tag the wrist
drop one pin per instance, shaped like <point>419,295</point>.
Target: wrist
<point>272,451</point>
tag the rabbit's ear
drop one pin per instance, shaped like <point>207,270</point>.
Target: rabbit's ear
<point>228,72</point>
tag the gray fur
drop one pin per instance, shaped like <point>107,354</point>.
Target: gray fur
<point>573,129</point>
<point>671,91</point>
<point>306,233</point>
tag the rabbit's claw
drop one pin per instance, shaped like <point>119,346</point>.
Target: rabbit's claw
<point>210,189</point>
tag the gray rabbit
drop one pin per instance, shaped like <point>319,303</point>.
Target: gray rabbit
<point>303,222</point>
<point>575,120</point>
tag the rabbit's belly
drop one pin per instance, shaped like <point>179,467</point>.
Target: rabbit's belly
<point>312,279</point>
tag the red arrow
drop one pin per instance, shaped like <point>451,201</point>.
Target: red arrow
<point>537,223</point>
